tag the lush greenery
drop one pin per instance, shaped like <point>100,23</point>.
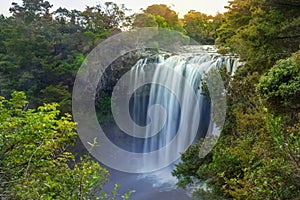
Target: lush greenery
<point>280,87</point>
<point>258,153</point>
<point>35,161</point>
<point>41,51</point>
<point>198,26</point>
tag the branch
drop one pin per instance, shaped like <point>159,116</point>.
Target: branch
<point>26,171</point>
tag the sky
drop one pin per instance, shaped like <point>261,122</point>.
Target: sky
<point>180,6</point>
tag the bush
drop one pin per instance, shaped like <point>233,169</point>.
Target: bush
<point>34,161</point>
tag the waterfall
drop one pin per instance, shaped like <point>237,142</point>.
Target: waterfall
<point>188,65</point>
<point>160,108</point>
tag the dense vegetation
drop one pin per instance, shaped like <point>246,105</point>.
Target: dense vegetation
<point>34,157</point>
<point>258,154</point>
<point>41,51</point>
<point>198,26</point>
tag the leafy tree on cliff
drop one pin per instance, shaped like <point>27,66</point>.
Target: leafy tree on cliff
<point>35,162</point>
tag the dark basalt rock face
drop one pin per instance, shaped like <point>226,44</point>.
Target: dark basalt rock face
<point>124,64</point>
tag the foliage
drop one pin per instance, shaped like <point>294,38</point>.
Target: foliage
<point>261,32</point>
<point>35,161</point>
<point>164,16</point>
<point>189,165</point>
<point>103,107</point>
<point>158,15</point>
<point>41,51</point>
<point>280,87</point>
<point>198,26</point>
<point>201,27</point>
<point>261,162</point>
<point>257,155</point>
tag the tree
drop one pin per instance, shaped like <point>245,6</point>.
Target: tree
<point>260,32</point>
<point>34,159</point>
<point>31,10</point>
<point>34,156</point>
<point>195,24</point>
<point>158,15</point>
<point>201,27</point>
<point>100,18</point>
<point>280,87</point>
<point>164,11</point>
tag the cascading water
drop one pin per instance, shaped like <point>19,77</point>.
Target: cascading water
<point>192,67</point>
